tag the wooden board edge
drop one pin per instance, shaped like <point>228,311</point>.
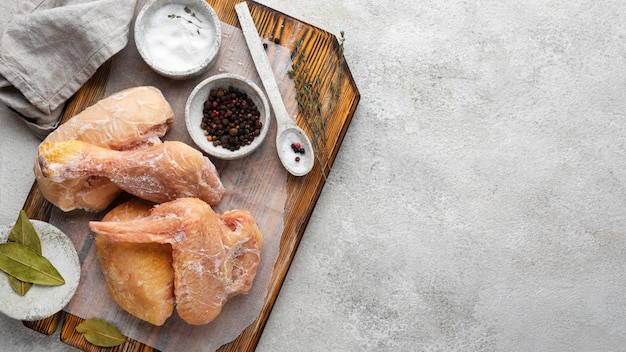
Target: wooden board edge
<point>45,326</point>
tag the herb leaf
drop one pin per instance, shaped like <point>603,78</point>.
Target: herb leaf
<point>27,265</point>
<point>193,14</point>
<point>101,333</point>
<point>309,98</point>
<point>19,286</point>
<point>24,233</point>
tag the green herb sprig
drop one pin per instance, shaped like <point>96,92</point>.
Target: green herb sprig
<point>309,100</point>
<point>192,14</point>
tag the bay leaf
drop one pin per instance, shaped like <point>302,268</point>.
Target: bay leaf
<point>101,333</point>
<point>19,286</point>
<point>26,265</point>
<point>23,232</point>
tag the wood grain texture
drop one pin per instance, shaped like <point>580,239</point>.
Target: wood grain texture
<point>324,64</point>
<point>46,326</point>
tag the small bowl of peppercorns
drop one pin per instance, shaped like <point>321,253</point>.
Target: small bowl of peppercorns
<point>227,116</point>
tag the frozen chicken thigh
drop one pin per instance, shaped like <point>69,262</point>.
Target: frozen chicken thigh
<point>159,173</point>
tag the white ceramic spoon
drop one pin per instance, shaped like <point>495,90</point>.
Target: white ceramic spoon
<point>287,132</point>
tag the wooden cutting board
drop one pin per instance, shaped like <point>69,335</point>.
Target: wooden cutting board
<point>318,62</point>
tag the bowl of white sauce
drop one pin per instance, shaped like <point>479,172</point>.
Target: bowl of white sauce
<point>178,39</point>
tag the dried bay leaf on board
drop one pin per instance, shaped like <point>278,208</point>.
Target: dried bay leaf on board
<point>101,333</point>
<point>27,265</point>
<point>23,232</point>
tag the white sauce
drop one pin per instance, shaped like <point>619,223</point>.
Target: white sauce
<point>173,43</point>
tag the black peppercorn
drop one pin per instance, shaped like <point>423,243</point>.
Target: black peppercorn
<point>230,118</point>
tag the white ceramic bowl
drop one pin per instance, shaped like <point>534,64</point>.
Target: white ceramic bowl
<point>178,39</point>
<point>43,301</point>
<point>195,106</point>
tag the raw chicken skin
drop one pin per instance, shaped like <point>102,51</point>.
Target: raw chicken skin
<point>214,257</point>
<point>129,119</point>
<point>139,276</point>
<point>242,236</point>
<point>159,173</point>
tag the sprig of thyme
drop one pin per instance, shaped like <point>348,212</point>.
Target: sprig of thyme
<point>193,14</point>
<point>309,104</point>
<point>309,99</point>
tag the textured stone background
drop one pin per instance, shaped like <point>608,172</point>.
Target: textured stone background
<point>477,203</point>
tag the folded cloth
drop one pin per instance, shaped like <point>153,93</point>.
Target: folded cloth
<point>50,48</point>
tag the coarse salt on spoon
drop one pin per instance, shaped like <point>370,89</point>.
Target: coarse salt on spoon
<point>298,161</point>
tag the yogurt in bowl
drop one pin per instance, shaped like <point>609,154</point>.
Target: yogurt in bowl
<point>178,39</point>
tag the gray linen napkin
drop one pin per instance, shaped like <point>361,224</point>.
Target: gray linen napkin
<point>50,48</point>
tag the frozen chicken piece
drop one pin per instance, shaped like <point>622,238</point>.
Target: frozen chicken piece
<point>139,276</point>
<point>129,119</point>
<point>159,173</point>
<point>243,238</point>
<point>214,257</point>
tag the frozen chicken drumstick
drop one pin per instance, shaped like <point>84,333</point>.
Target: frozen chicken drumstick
<point>133,118</point>
<point>159,173</point>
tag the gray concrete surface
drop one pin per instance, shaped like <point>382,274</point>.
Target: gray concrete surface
<point>478,201</point>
